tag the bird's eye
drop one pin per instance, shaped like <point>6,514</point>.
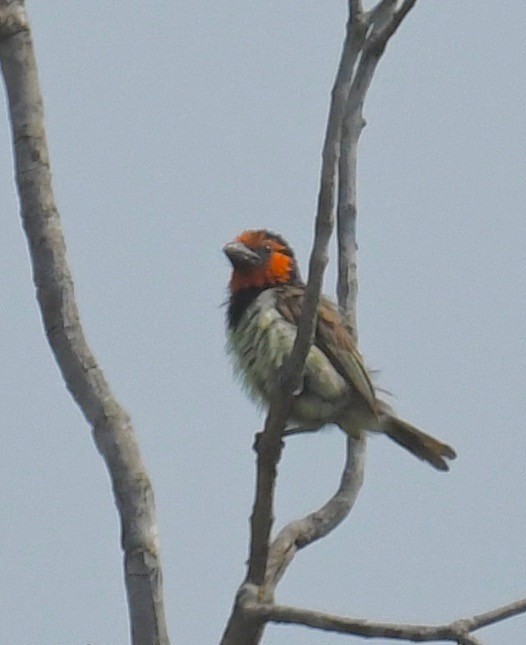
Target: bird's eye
<point>268,247</point>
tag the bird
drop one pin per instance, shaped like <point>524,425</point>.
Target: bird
<point>263,308</point>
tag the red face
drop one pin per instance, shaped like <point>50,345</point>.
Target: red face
<point>259,259</point>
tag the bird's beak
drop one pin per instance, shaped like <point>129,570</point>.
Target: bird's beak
<point>241,256</point>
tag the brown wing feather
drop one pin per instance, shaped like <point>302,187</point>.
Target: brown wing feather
<point>333,338</point>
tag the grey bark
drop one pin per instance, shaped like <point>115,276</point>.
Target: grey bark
<point>458,631</point>
<point>300,533</point>
<point>112,429</point>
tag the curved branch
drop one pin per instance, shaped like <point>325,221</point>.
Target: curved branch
<point>300,533</point>
<point>112,430</point>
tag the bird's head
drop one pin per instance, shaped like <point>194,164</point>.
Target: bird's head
<point>260,259</point>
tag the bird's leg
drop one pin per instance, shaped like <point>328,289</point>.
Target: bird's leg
<point>293,430</point>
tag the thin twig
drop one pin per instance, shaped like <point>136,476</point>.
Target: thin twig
<point>458,631</point>
<point>495,615</point>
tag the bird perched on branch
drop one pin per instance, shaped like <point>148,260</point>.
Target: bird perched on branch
<point>266,297</point>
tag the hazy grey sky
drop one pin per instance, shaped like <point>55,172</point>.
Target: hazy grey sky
<point>172,127</point>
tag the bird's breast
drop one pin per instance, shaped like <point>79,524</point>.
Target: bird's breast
<point>259,344</point>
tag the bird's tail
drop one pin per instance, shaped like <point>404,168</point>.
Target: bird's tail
<point>422,445</point>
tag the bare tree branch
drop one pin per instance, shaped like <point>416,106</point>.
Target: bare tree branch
<point>382,13</point>
<point>383,20</point>
<point>269,442</point>
<point>316,525</point>
<point>385,29</point>
<point>357,65</point>
<point>458,631</point>
<point>112,430</point>
<point>350,98</point>
<point>355,8</point>
<point>300,533</point>
<point>468,639</point>
<point>495,615</point>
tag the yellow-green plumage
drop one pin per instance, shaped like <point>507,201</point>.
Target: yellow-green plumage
<point>260,343</point>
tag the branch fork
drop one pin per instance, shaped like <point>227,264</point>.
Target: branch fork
<point>367,34</point>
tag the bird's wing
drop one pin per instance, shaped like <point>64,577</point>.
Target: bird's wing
<point>332,337</point>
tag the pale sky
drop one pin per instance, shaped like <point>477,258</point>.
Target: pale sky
<point>174,126</point>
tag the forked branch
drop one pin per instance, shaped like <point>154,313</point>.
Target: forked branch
<point>346,110</point>
<point>357,65</point>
